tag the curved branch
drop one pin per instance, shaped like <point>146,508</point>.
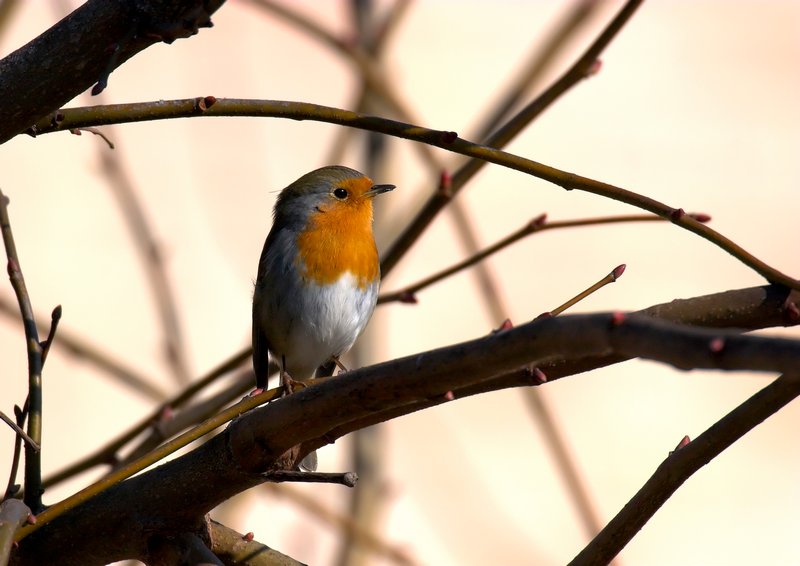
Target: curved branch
<point>210,106</point>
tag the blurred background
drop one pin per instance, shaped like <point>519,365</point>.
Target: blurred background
<point>695,105</point>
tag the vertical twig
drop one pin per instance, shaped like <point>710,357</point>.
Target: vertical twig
<point>33,462</point>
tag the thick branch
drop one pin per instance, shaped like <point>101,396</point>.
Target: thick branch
<point>180,492</point>
<point>83,49</point>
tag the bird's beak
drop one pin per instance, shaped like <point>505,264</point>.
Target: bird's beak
<point>378,190</point>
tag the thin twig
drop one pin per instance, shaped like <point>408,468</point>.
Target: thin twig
<point>33,459</point>
<point>95,131</point>
<point>347,479</point>
<point>31,442</point>
<point>612,277</point>
<point>681,464</point>
<point>538,224</point>
<point>237,548</point>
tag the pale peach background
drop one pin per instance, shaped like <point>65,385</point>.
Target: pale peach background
<point>696,105</point>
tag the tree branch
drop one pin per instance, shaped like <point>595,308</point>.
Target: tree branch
<point>278,435</point>
<point>33,456</point>
<point>239,549</point>
<point>84,48</point>
<point>687,459</point>
<point>210,106</point>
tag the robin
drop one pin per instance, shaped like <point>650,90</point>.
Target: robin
<point>318,275</point>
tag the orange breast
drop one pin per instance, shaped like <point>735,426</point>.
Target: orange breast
<point>338,239</point>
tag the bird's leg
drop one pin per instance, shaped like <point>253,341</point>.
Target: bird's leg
<point>339,364</point>
<point>288,384</point>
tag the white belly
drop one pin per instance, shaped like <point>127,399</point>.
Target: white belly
<point>320,323</point>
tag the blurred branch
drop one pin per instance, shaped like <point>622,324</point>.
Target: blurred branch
<point>84,350</point>
<point>347,479</point>
<point>374,80</point>
<point>679,466</point>
<point>538,224</point>
<point>365,537</point>
<point>541,57</point>
<point>108,454</point>
<point>172,423</point>
<point>7,9</point>
<point>33,457</point>
<point>581,69</point>
<point>145,243</point>
<point>84,48</point>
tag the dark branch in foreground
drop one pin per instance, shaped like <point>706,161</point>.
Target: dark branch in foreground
<point>681,464</point>
<point>275,437</point>
<point>84,48</point>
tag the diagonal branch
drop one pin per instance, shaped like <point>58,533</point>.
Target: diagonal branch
<point>679,466</point>
<point>236,548</point>
<point>539,224</point>
<point>75,346</point>
<point>279,434</point>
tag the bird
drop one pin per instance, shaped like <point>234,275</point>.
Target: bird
<point>318,275</point>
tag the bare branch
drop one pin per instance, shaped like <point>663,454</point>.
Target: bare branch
<point>33,458</point>
<point>236,548</point>
<point>679,466</point>
<point>84,48</point>
<point>88,352</point>
<point>278,435</point>
<point>118,113</point>
<point>28,440</point>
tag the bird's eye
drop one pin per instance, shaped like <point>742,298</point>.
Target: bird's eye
<point>340,193</point>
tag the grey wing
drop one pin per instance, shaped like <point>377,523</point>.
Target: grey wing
<point>260,342</point>
<point>260,349</point>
